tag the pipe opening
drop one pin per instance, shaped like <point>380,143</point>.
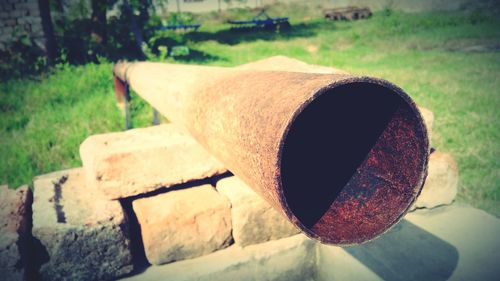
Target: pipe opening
<point>352,162</point>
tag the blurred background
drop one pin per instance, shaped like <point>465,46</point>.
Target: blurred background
<point>56,58</point>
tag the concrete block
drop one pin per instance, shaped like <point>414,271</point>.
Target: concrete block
<point>10,22</point>
<point>441,185</point>
<point>142,160</point>
<point>183,224</point>
<point>473,234</point>
<point>288,259</point>
<point>334,263</point>
<point>15,208</point>
<point>254,220</point>
<point>448,243</point>
<point>82,235</point>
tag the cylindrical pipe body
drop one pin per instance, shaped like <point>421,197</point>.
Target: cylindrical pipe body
<point>343,157</point>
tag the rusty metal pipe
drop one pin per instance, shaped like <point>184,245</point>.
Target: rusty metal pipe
<point>343,157</point>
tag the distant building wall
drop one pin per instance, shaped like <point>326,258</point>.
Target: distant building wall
<point>19,17</point>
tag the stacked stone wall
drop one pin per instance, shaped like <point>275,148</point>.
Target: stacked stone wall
<point>17,18</point>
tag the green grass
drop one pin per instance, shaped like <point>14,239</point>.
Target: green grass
<point>43,121</point>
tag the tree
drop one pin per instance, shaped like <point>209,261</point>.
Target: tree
<point>48,31</point>
<point>134,28</point>
<point>144,11</point>
<point>98,21</point>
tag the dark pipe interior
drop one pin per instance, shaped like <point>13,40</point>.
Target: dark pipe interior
<point>328,142</point>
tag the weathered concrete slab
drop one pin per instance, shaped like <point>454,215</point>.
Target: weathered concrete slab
<point>142,160</point>
<point>474,233</point>
<point>334,263</point>
<point>441,185</point>
<point>82,235</point>
<point>288,259</point>
<point>254,220</point>
<point>447,243</point>
<point>14,231</point>
<point>183,224</point>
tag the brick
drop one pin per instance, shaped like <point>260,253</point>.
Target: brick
<point>35,20</point>
<point>33,12</point>
<point>17,13</point>
<point>142,160</point>
<point>254,220</point>
<point>183,224</point>
<point>428,117</point>
<point>10,22</point>
<point>14,231</point>
<point>32,6</point>
<point>441,185</point>
<point>5,38</point>
<point>83,235</point>
<point>6,7</point>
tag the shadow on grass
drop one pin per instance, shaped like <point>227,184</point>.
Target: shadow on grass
<point>236,36</point>
<point>196,56</point>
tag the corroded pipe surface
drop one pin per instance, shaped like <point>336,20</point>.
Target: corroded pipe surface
<point>343,157</point>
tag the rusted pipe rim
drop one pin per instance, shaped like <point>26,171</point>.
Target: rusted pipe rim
<point>347,184</point>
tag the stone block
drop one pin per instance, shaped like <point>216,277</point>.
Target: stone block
<point>17,13</point>
<point>23,20</point>
<point>182,224</point>
<point>81,235</point>
<point>34,12</point>
<point>7,31</point>
<point>254,220</point>
<point>6,7</point>
<point>10,22</point>
<point>289,259</point>
<point>35,20</point>
<point>15,208</point>
<point>32,5</point>
<point>142,160</point>
<point>440,187</point>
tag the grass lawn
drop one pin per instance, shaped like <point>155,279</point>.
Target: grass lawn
<point>448,62</point>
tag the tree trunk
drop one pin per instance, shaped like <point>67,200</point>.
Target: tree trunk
<point>144,11</point>
<point>98,19</point>
<point>134,28</point>
<point>48,31</point>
